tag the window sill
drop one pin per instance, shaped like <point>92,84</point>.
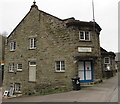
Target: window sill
<point>10,71</point>
<point>18,92</point>
<point>12,50</point>
<point>32,81</point>
<point>85,41</point>
<point>59,71</point>
<point>107,63</point>
<point>32,48</point>
<point>19,70</point>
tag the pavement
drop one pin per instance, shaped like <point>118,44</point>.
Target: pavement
<point>103,92</point>
<point>0,95</point>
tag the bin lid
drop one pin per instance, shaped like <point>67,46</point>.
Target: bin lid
<point>75,78</point>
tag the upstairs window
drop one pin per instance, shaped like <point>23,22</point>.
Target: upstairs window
<point>107,63</point>
<point>32,43</point>
<point>11,67</point>
<point>106,60</point>
<point>19,67</point>
<point>12,46</point>
<point>60,66</point>
<point>84,35</point>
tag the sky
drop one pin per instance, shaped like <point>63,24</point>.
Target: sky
<point>106,15</point>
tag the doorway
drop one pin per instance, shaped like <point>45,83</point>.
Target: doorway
<point>85,71</point>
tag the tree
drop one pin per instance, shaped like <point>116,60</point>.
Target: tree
<point>5,34</point>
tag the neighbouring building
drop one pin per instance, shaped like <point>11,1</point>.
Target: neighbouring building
<point>45,52</point>
<point>2,49</point>
<point>117,59</point>
<point>108,63</point>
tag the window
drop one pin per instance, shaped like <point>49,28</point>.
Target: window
<point>106,60</point>
<point>17,87</point>
<point>32,71</point>
<point>107,66</point>
<point>107,63</point>
<point>60,66</point>
<point>84,35</point>
<point>19,67</point>
<point>12,46</point>
<point>11,67</point>
<point>32,43</point>
<point>32,63</point>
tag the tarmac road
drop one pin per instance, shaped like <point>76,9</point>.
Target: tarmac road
<point>103,92</point>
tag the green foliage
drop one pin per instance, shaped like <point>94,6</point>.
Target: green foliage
<point>47,91</point>
<point>51,91</point>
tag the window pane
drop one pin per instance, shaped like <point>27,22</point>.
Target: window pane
<point>57,65</point>
<point>32,42</point>
<point>10,46</point>
<point>87,36</point>
<point>81,35</point>
<point>11,67</point>
<point>62,65</point>
<point>14,45</point>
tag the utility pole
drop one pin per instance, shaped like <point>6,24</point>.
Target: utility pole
<point>93,10</point>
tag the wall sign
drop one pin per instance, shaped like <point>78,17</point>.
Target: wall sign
<point>84,49</point>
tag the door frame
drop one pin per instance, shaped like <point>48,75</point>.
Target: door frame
<point>92,71</point>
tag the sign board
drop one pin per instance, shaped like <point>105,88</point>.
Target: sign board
<point>84,49</point>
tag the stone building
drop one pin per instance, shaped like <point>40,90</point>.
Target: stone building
<point>108,62</point>
<point>45,52</point>
<point>2,49</point>
<point>117,60</point>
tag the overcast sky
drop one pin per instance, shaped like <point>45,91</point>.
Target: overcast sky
<point>106,15</point>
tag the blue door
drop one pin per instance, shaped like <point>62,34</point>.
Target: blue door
<point>85,71</point>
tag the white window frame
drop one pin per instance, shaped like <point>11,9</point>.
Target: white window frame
<point>19,69</point>
<point>105,60</point>
<point>32,43</point>
<point>84,34</point>
<point>61,69</point>
<point>12,46</point>
<point>18,91</point>
<point>11,67</point>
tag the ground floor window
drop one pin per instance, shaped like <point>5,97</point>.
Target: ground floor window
<point>17,87</point>
<point>14,88</point>
<point>107,66</point>
<point>19,67</point>
<point>60,66</point>
<point>11,67</point>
